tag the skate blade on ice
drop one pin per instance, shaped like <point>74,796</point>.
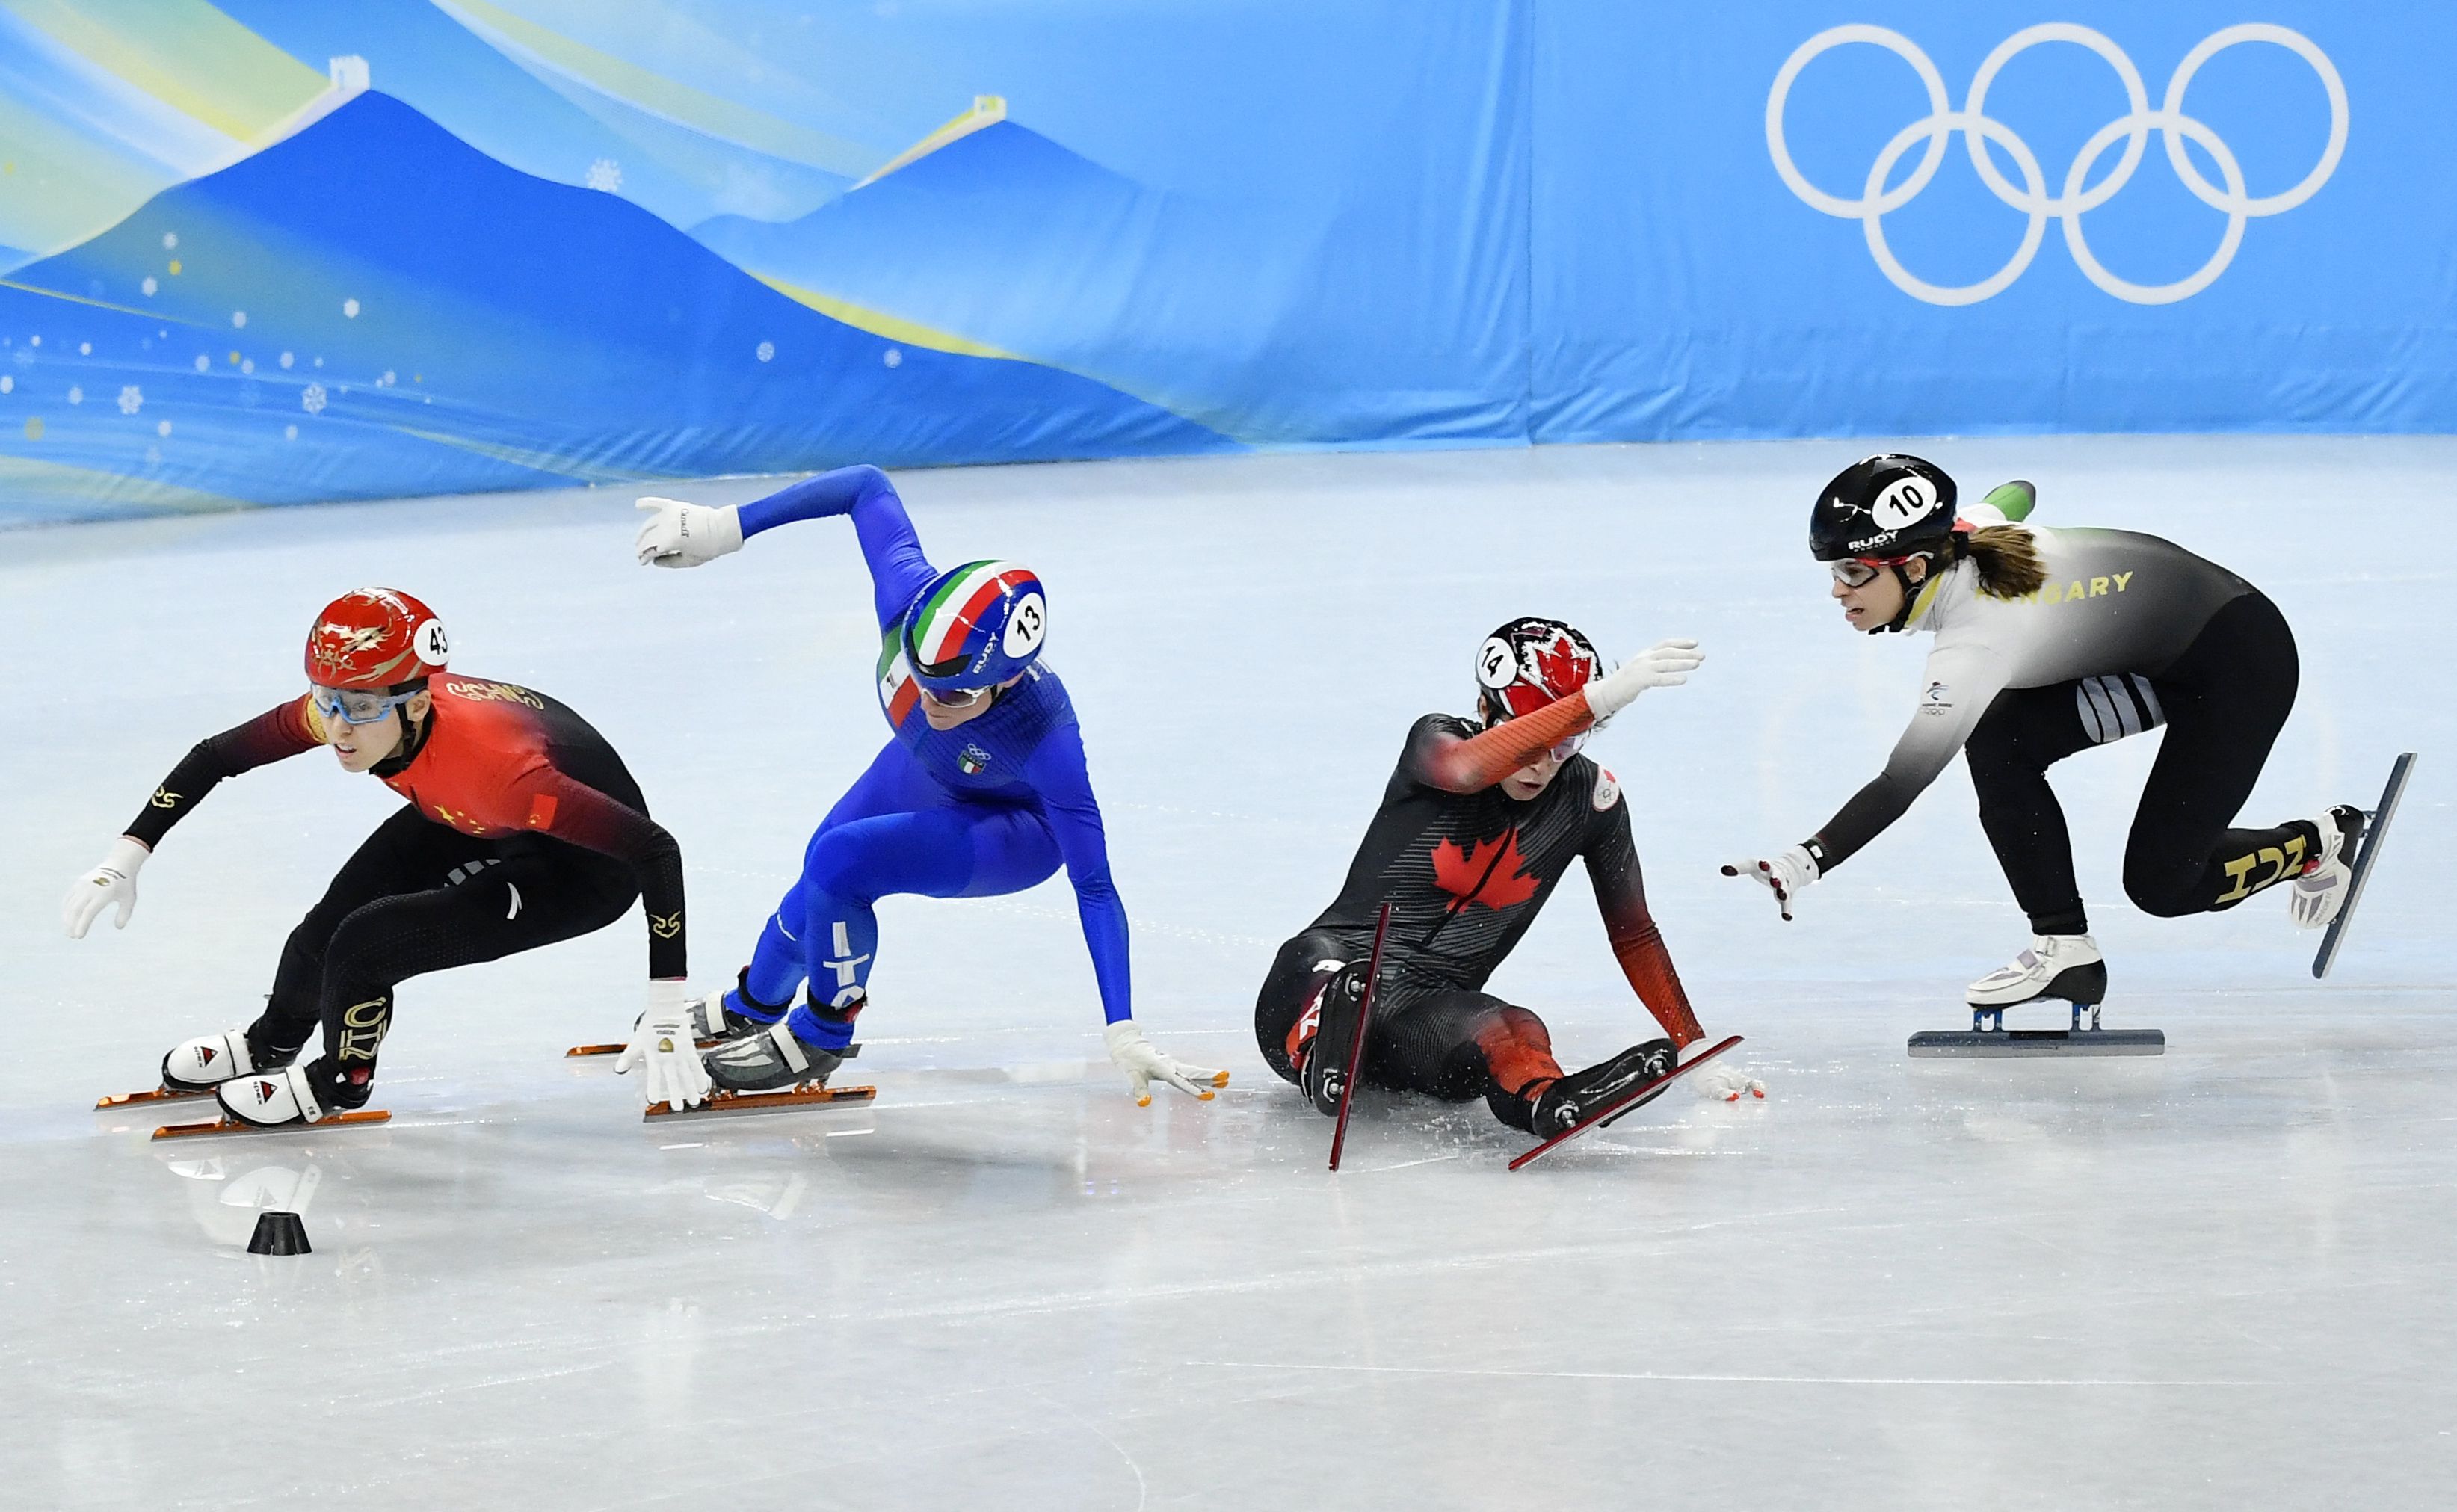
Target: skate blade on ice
<point>231,1126</point>
<point>582,1051</point>
<point>159,1094</point>
<point>722,1104</point>
<point>2374,830</point>
<point>1629,1102</point>
<point>2038,1041</point>
<point>1987,1036</point>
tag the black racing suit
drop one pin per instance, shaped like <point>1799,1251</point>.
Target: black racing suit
<point>1466,869</point>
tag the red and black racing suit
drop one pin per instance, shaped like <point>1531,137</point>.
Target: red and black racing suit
<point>1466,869</point>
<point>524,828</point>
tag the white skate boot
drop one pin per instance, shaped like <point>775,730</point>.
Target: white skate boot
<point>2067,966</point>
<point>305,1093</point>
<point>2320,891</point>
<point>206,1062</point>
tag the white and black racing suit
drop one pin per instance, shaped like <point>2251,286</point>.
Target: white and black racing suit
<point>2130,631</point>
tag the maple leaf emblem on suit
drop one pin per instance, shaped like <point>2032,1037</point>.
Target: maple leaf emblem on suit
<point>1488,872</point>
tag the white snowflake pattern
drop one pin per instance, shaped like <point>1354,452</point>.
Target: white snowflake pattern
<point>350,308</point>
<point>290,433</point>
<point>239,319</point>
<point>161,427</point>
<point>77,394</point>
<point>893,356</point>
<point>131,399</point>
<point>606,174</point>
<point>7,384</point>
<point>85,348</point>
<point>287,359</point>
<point>204,363</point>
<point>311,399</point>
<point>247,364</point>
<point>170,240</point>
<point>151,284</point>
<point>387,381</point>
<point>767,352</point>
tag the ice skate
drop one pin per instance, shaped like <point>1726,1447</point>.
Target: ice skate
<point>771,1061</point>
<point>2359,847</point>
<point>2067,966</point>
<point>1339,1013</point>
<point>1572,1099</point>
<point>202,1064</point>
<point>2316,896</point>
<point>294,1094</point>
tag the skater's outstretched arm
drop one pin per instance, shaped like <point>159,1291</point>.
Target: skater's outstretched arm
<point>1611,856</point>
<point>573,811</point>
<point>680,534</point>
<point>1440,760</point>
<point>1058,772</point>
<point>1057,769</point>
<point>286,730</point>
<point>1959,683</point>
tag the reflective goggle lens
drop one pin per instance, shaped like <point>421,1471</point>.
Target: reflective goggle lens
<point>1856,571</point>
<point>1563,750</point>
<point>356,705</point>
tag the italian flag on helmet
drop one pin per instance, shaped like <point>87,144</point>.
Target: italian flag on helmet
<point>975,626</point>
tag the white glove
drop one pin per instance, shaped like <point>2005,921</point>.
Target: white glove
<point>662,1042</point>
<point>1145,1062</point>
<point>1786,875</point>
<point>1719,1082</point>
<point>681,534</point>
<point>114,881</point>
<point>1665,664</point>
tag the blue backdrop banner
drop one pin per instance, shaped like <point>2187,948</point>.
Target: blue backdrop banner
<point>259,252</point>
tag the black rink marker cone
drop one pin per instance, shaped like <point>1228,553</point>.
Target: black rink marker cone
<point>278,1234</point>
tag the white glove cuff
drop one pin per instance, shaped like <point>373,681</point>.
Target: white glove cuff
<point>1123,1032</point>
<point>125,856</point>
<point>728,524</point>
<point>666,997</point>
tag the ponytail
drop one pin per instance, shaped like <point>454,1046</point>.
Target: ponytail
<point>2009,559</point>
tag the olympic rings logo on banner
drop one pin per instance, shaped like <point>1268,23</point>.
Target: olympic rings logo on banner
<point>2080,196</point>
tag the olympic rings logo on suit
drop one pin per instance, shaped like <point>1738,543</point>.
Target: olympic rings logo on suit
<point>2078,196</point>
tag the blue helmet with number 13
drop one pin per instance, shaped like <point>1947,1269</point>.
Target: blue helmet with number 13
<point>975,626</point>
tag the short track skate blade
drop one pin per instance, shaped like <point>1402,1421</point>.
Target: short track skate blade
<point>722,1104</point>
<point>2039,1043</point>
<point>579,1051</point>
<point>2373,833</point>
<point>159,1094</point>
<point>1630,1100</point>
<point>231,1126</point>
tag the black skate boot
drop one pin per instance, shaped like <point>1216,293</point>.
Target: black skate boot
<point>1575,1097</point>
<point>1339,1017</point>
<point>769,1061</point>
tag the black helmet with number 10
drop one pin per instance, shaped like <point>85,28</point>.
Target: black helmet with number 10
<point>1884,507</point>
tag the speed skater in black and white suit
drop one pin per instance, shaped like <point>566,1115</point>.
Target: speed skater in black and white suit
<point>2050,642</point>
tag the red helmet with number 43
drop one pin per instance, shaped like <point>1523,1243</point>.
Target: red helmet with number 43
<point>1529,663</point>
<point>375,637</point>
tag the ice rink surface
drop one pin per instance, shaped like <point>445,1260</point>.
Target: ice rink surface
<point>2220,1279</point>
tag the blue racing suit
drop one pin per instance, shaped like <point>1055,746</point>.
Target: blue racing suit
<point>993,806</point>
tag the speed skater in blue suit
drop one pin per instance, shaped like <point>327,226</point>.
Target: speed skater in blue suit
<point>980,791</point>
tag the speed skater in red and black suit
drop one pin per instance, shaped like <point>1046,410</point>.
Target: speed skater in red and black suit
<point>1479,824</point>
<point>524,828</point>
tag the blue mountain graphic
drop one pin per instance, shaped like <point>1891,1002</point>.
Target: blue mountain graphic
<point>429,320</point>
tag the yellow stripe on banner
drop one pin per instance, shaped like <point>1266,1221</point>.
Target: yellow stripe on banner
<point>561,464</point>
<point>103,305</point>
<point>880,323</point>
<point>61,490</point>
